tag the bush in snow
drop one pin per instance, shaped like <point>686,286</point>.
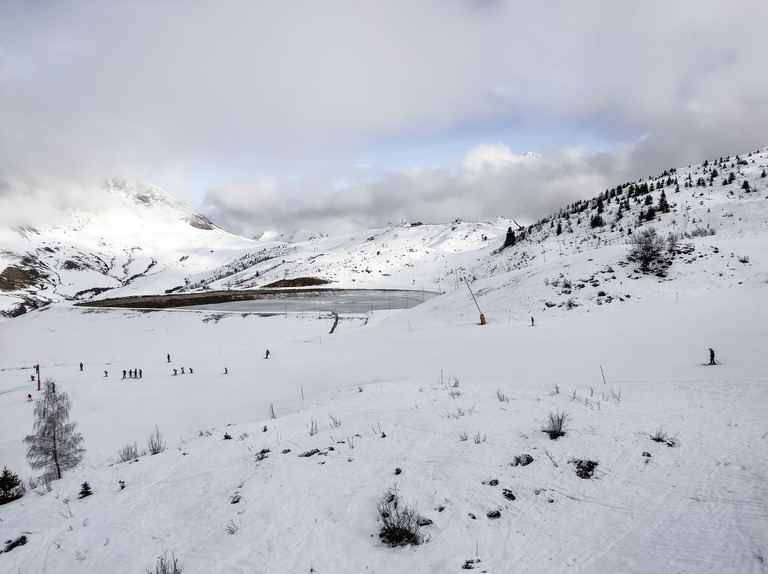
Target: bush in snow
<point>155,442</point>
<point>555,425</point>
<point>399,523</point>
<point>127,453</point>
<point>658,435</point>
<point>584,468</point>
<point>165,566</point>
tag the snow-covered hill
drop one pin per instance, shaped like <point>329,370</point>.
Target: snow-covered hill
<point>139,234</point>
<point>154,244</point>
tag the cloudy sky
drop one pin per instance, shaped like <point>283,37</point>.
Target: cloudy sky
<point>340,115</point>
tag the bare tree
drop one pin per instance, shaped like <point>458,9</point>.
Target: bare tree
<point>56,444</point>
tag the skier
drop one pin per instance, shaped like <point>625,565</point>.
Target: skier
<point>139,373</point>
<point>531,321</point>
<point>123,373</point>
<point>130,374</point>
<point>267,355</point>
<point>225,370</point>
<point>174,372</point>
<point>169,357</point>
<point>190,370</point>
<point>106,374</point>
<point>712,356</point>
<point>29,398</point>
<point>81,366</point>
<point>182,370</point>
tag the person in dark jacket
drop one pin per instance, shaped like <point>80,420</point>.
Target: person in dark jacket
<point>712,356</point>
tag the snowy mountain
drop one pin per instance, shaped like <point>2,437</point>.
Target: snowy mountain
<point>139,234</point>
<point>291,464</point>
<point>153,244</point>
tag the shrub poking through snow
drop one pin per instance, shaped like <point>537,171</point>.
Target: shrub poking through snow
<point>555,425</point>
<point>166,566</point>
<point>658,435</point>
<point>522,460</point>
<point>584,468</point>
<point>11,544</point>
<point>309,453</point>
<point>399,522</point>
<point>155,442</point>
<point>128,453</point>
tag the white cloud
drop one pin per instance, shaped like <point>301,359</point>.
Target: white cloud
<point>489,180</point>
<point>270,90</point>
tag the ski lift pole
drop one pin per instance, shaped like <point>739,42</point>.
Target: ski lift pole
<point>482,317</point>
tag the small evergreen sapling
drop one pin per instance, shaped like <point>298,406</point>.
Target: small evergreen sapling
<point>10,487</point>
<point>85,490</point>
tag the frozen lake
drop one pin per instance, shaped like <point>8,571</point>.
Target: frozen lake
<point>341,301</point>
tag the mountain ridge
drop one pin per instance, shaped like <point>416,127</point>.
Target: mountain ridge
<point>157,244</point>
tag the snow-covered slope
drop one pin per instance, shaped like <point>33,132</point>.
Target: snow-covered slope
<point>424,401</point>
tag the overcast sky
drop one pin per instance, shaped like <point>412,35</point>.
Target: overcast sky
<point>339,115</point>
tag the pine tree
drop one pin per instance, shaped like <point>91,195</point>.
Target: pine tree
<point>648,248</point>
<point>55,446</point>
<point>85,490</point>
<point>10,486</point>
<point>510,240</point>
<point>663,204</point>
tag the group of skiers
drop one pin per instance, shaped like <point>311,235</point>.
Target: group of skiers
<point>138,373</point>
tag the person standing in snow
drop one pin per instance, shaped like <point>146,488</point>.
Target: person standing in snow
<point>169,357</point>
<point>267,355</point>
<point>123,373</point>
<point>712,356</point>
<point>174,372</point>
<point>226,370</point>
<point>531,321</point>
<point>29,398</point>
<point>81,366</point>
<point>182,370</point>
<point>139,373</point>
<point>106,374</point>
